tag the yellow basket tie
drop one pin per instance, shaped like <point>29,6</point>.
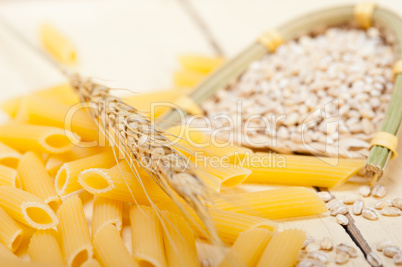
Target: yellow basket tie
<point>271,40</point>
<point>364,13</point>
<point>387,140</point>
<point>397,68</point>
<point>187,104</point>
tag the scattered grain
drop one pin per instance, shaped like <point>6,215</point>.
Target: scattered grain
<point>326,243</point>
<point>341,219</point>
<point>341,258</point>
<point>391,211</point>
<point>324,196</point>
<point>334,202</point>
<point>380,204</point>
<point>309,240</point>
<point>338,209</point>
<point>349,249</point>
<point>310,263</point>
<point>319,256</point>
<point>397,258</point>
<point>391,250</point>
<point>365,190</point>
<point>397,202</point>
<point>313,247</point>
<point>358,207</point>
<point>370,214</point>
<point>379,191</point>
<point>386,242</point>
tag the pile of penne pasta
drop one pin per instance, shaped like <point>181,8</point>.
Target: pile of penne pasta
<point>65,204</point>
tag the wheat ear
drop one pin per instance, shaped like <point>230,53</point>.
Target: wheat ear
<point>139,139</point>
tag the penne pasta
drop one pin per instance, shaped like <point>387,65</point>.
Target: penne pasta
<point>110,248</point>
<point>91,263</point>
<point>57,45</point>
<point>5,253</point>
<point>54,162</point>
<point>187,78</point>
<point>66,180</point>
<point>41,139</point>
<point>79,122</point>
<point>228,224</point>
<point>198,147</point>
<point>147,237</point>
<point>62,93</point>
<point>274,204</point>
<point>299,170</point>
<point>247,249</point>
<point>27,208</point>
<point>8,156</point>
<point>283,249</point>
<point>73,228</point>
<point>155,103</point>
<point>17,262</point>
<point>44,248</point>
<point>199,63</point>
<point>179,241</point>
<point>11,106</point>
<point>121,184</point>
<point>106,211</point>
<point>10,232</point>
<point>9,177</point>
<point>35,179</point>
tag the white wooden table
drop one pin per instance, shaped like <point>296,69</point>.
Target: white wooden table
<point>135,44</point>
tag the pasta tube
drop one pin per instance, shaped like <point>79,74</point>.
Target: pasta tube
<point>27,208</point>
<point>36,180</point>
<point>8,156</point>
<point>62,93</point>
<point>54,162</point>
<point>11,106</point>
<point>159,99</point>
<point>9,177</point>
<point>37,112</point>
<point>5,253</point>
<point>91,263</point>
<point>228,224</point>
<point>74,232</point>
<point>44,247</point>
<point>199,63</point>
<point>300,170</point>
<point>110,249</point>
<point>274,204</point>
<point>187,78</point>
<point>14,262</point>
<point>66,181</point>
<point>198,148</point>
<point>106,211</point>
<point>247,249</point>
<point>283,249</point>
<point>57,45</point>
<point>147,236</point>
<point>179,241</point>
<point>10,232</point>
<point>121,183</point>
<point>42,139</point>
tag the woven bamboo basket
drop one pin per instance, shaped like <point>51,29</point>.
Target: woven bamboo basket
<point>364,15</point>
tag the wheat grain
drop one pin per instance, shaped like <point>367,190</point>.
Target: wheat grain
<point>138,139</point>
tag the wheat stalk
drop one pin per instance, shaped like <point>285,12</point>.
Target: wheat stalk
<point>140,140</point>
